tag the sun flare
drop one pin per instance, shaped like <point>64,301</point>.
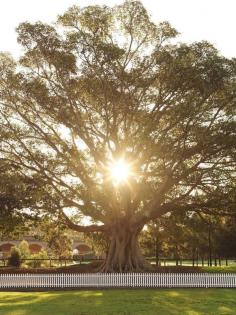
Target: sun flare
<point>119,171</point>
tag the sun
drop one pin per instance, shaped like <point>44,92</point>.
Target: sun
<point>119,171</point>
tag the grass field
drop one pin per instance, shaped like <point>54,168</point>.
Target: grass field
<point>220,269</point>
<point>120,302</point>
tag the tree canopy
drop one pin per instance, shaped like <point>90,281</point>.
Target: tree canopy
<point>107,84</point>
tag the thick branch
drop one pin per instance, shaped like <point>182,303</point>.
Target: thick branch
<point>82,228</point>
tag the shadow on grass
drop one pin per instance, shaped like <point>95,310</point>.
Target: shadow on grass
<point>122,302</point>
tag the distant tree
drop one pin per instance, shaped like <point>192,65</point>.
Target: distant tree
<point>152,241</point>
<point>99,242</point>
<point>224,239</point>
<point>115,88</point>
<point>57,239</point>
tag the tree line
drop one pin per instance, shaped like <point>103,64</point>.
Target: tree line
<point>204,240</point>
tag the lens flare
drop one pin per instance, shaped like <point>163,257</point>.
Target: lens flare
<point>119,171</point>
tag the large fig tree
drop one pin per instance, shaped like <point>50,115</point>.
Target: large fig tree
<point>120,122</point>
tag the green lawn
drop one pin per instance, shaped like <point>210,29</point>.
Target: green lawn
<point>220,269</point>
<point>122,302</point>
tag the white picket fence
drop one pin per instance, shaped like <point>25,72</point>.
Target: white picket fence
<point>119,280</point>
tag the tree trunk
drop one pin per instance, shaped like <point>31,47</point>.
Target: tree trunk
<point>124,254</point>
<point>215,259</point>
<point>157,251</point>
<point>193,257</point>
<point>209,247</point>
<point>176,256</point>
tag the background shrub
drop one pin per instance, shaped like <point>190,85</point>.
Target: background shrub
<point>24,249</point>
<point>37,262</point>
<point>15,257</point>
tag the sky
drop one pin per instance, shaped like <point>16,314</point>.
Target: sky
<point>212,20</point>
